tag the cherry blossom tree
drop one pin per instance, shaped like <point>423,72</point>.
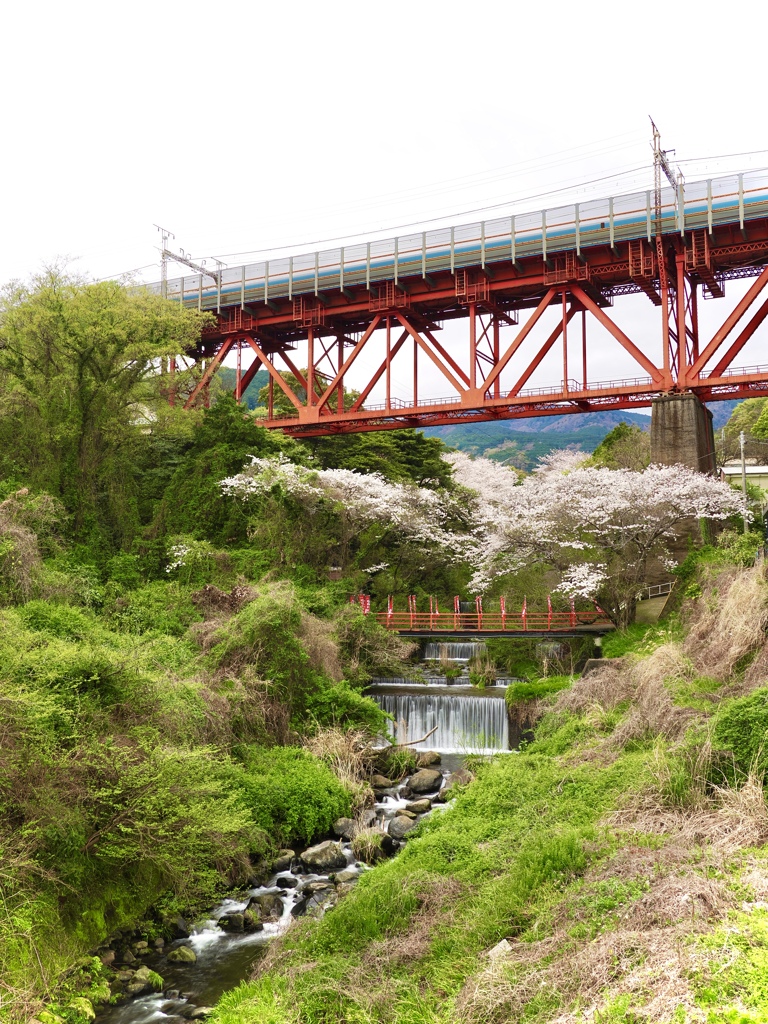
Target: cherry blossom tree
<point>599,527</point>
<point>358,500</point>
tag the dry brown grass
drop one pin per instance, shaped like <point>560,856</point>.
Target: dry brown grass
<point>641,682</point>
<point>728,622</point>
<point>317,635</point>
<point>728,820</point>
<point>346,752</point>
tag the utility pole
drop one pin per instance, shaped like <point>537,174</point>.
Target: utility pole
<point>164,253</point>
<point>744,480</point>
<point>184,258</point>
<point>662,164</point>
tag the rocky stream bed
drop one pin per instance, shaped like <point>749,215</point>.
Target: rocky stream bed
<point>181,977</point>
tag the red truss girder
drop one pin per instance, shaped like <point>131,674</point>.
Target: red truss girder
<point>322,342</point>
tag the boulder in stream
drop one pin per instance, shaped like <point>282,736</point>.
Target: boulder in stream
<point>344,827</point>
<point>462,777</point>
<point>427,758</point>
<point>400,826</point>
<point>183,955</point>
<point>381,782</point>
<point>425,780</point>
<point>232,923</point>
<point>269,907</point>
<point>419,806</point>
<point>283,860</point>
<point>324,857</point>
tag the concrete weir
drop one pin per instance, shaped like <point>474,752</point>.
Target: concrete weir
<point>682,434</point>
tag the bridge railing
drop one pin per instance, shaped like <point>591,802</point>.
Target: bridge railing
<point>490,622</point>
<point>734,198</point>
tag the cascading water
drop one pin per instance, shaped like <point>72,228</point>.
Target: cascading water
<point>466,724</point>
<point>453,652</point>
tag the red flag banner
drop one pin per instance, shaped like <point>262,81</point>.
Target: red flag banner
<point>549,611</point>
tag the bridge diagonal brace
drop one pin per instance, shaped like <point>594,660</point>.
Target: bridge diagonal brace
<point>432,355</point>
<point>210,370</point>
<point>741,341</point>
<point>719,337</point>
<point>296,373</point>
<point>246,379</point>
<point>536,361</point>
<point>276,377</point>
<point>447,356</point>
<point>522,334</point>
<point>378,374</point>
<point>653,371</point>
<point>323,400</point>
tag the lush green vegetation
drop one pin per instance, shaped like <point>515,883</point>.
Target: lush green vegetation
<point>171,660</point>
<point>617,859</point>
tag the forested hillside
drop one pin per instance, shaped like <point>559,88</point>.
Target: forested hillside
<point>183,699</point>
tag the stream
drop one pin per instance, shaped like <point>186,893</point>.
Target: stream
<point>224,959</point>
<point>456,720</point>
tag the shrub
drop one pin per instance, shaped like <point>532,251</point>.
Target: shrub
<point>291,794</point>
<point>742,729</point>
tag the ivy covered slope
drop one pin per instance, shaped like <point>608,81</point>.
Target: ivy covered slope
<point>613,870</point>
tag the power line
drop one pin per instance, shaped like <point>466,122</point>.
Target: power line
<point>418,223</point>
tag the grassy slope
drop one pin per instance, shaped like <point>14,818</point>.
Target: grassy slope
<point>138,773</point>
<point>627,876</point>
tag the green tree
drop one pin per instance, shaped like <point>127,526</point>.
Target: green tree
<point>402,456</point>
<point>79,373</point>
<point>625,447</point>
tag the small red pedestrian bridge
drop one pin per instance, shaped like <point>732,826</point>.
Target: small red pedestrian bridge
<point>482,623</point>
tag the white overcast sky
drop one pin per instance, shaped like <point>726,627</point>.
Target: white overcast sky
<point>244,127</point>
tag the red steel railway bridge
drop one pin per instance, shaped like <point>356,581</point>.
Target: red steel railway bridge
<point>308,318</point>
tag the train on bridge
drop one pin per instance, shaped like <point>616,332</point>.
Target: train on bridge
<point>307,318</point>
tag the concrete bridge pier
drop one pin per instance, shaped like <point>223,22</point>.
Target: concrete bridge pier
<point>682,434</point>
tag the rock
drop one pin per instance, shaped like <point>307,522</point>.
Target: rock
<point>176,926</point>
<point>344,888</point>
<point>344,827</point>
<point>419,806</point>
<point>200,1012</point>
<point>462,777</point>
<point>139,946</point>
<point>317,905</point>
<point>312,888</point>
<point>159,942</point>
<point>299,906</point>
<point>367,817</point>
<point>283,860</point>
<point>347,875</point>
<point>427,758</point>
<point>500,949</point>
<point>171,993</point>
<point>127,957</point>
<point>287,882</point>
<point>251,922</point>
<point>405,813</point>
<point>381,782</point>
<point>183,955</point>
<point>269,907</point>
<point>123,976</point>
<point>399,827</point>
<point>108,957</point>
<point>425,780</point>
<point>232,922</point>
<point>83,1007</point>
<point>324,857</point>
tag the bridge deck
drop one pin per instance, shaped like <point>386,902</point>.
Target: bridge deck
<point>735,198</point>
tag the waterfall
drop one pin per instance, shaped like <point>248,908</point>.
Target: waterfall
<point>453,652</point>
<point>465,725</point>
